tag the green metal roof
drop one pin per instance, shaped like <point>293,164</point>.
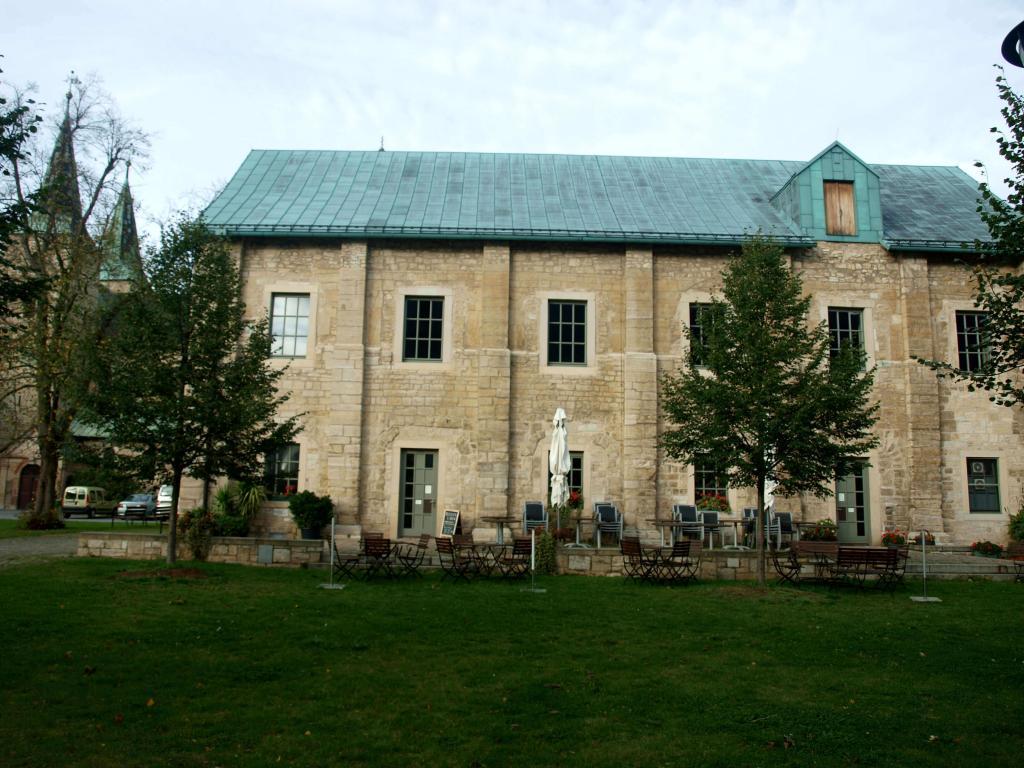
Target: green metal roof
<point>554,197</point>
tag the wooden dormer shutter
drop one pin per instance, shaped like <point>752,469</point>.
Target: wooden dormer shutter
<point>840,214</point>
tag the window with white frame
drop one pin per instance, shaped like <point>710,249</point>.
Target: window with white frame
<point>567,332</point>
<point>281,471</point>
<point>709,480</point>
<point>423,335</point>
<point>983,485</point>
<point>289,324</point>
<point>845,329</point>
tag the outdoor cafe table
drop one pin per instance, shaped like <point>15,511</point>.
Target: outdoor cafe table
<point>578,519</point>
<point>672,525</point>
<point>499,523</point>
<point>485,555</point>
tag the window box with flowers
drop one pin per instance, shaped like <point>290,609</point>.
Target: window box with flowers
<point>894,538</point>
<point>713,503</point>
<point>823,530</point>
<point>986,549</point>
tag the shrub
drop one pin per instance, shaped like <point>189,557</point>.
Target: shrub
<point>1017,524</point>
<point>311,511</point>
<point>196,529</point>
<point>546,562</point>
<point>47,522</point>
<point>234,508</point>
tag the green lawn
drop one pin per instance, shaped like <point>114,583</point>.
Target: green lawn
<point>256,667</point>
<point>11,529</point>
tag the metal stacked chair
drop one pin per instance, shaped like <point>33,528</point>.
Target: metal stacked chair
<point>534,516</point>
<point>607,519</point>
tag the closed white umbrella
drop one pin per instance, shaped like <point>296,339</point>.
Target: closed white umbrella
<point>558,460</point>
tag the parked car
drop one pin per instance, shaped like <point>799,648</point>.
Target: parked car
<point>164,497</point>
<point>141,505</point>
<point>86,500</point>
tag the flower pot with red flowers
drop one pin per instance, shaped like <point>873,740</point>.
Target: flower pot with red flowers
<point>894,539</point>
<point>986,549</point>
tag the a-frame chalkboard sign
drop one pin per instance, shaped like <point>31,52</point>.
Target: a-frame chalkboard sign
<point>450,524</point>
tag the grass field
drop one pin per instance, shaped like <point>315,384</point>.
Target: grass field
<point>11,529</point>
<point>257,667</point>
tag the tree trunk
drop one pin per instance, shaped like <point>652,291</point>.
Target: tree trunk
<point>172,532</point>
<point>49,452</point>
<point>759,536</point>
<point>46,490</point>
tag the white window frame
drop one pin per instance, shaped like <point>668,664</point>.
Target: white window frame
<point>311,332</point>
<point>567,369</point>
<point>398,328</point>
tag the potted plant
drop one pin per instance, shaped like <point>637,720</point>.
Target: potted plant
<point>713,502</point>
<point>928,539</point>
<point>310,512</point>
<point>562,517</point>
<point>894,538</point>
<point>823,530</point>
<point>986,549</point>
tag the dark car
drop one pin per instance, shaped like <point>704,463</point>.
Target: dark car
<point>140,505</point>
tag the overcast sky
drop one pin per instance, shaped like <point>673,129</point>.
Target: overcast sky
<point>897,82</point>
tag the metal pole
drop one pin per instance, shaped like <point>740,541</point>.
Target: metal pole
<point>925,535</point>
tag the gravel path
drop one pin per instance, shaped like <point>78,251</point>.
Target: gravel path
<point>37,547</point>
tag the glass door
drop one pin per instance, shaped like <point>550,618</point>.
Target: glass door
<point>853,515</point>
<point>418,493</point>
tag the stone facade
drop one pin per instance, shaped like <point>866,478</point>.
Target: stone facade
<point>485,406</point>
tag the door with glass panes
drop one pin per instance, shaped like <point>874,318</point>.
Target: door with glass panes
<point>853,514</point>
<point>418,493</point>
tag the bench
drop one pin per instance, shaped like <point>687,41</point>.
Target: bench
<point>1015,552</point>
<point>855,564</point>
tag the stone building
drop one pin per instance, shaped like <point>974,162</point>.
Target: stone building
<point>121,261</point>
<point>434,309</point>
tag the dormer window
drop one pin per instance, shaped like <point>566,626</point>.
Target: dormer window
<point>840,214</point>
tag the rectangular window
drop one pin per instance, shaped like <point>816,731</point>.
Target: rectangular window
<point>576,473</point>
<point>971,345</point>
<point>700,314</point>
<point>289,324</point>
<point>424,329</point>
<point>567,332</point>
<point>982,485</point>
<point>281,471</point>
<point>840,212</point>
<point>845,328</point>
<point>708,480</point>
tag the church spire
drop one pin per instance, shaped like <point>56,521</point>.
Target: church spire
<point>121,254</point>
<point>61,198</point>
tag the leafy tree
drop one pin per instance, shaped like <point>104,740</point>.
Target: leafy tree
<point>188,388</point>
<point>769,403</point>
<point>19,121</point>
<point>51,309</point>
<point>999,292</point>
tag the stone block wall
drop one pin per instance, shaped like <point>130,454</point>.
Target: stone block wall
<point>224,549</point>
<point>486,406</point>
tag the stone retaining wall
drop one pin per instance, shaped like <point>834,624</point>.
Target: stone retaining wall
<point>714,565</point>
<point>294,553</point>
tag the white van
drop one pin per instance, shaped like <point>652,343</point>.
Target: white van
<point>86,500</point>
<point>164,499</point>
